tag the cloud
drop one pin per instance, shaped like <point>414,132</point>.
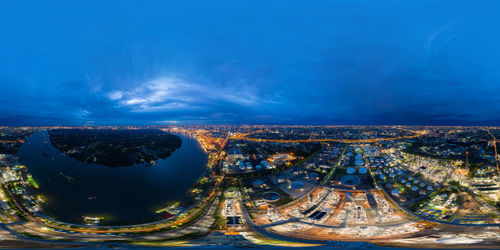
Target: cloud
<point>329,62</point>
<point>115,95</point>
<point>172,93</point>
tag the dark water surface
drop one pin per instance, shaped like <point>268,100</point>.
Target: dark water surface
<point>125,194</point>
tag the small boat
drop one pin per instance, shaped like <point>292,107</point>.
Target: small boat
<point>45,154</point>
<point>151,164</point>
<point>68,178</point>
<point>92,197</point>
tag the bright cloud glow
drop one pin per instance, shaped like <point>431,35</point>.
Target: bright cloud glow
<point>327,62</point>
<point>166,93</point>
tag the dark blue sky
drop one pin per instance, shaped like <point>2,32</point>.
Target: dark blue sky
<point>252,61</point>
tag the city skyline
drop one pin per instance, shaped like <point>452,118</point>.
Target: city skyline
<point>250,186</point>
<point>325,124</point>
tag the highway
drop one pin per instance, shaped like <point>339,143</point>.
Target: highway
<point>244,137</point>
<point>150,227</point>
<point>496,152</point>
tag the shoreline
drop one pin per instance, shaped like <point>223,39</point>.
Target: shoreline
<point>155,218</point>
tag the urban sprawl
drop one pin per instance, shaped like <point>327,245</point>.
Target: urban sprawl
<point>294,186</point>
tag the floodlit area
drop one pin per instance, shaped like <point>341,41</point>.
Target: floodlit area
<point>263,189</point>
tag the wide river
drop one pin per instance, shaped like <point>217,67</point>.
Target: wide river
<point>125,195</point>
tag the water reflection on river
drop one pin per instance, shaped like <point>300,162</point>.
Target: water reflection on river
<point>125,195</point>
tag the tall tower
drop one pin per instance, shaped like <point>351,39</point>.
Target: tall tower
<point>467,158</point>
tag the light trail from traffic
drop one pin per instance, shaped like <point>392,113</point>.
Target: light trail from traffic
<point>244,137</point>
<point>496,152</point>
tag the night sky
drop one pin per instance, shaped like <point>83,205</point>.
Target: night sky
<point>336,62</point>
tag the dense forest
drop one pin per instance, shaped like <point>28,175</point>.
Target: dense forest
<point>115,147</point>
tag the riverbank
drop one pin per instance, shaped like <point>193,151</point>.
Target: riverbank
<point>123,195</point>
